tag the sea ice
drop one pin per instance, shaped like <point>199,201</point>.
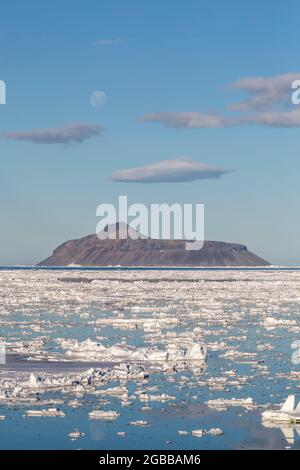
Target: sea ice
<point>76,434</point>
<point>288,413</point>
<point>215,432</point>
<point>140,336</point>
<point>226,402</point>
<point>103,415</point>
<point>139,423</point>
<point>198,432</point>
<point>50,412</point>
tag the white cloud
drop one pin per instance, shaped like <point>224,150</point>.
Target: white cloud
<point>169,171</point>
<point>70,133</point>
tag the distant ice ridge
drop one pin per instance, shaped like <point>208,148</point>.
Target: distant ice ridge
<point>94,351</point>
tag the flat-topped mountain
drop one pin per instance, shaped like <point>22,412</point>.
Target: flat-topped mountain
<point>92,251</point>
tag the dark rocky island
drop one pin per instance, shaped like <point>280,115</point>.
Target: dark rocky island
<point>91,251</point>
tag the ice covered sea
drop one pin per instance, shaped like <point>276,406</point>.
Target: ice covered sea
<point>109,359</point>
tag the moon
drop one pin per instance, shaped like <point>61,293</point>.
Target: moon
<point>97,98</point>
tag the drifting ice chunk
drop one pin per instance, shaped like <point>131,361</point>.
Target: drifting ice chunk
<point>297,409</point>
<point>139,423</point>
<point>104,415</point>
<point>74,403</point>
<point>157,356</point>
<point>34,381</point>
<point>51,412</point>
<point>286,414</point>
<point>222,403</point>
<point>76,434</point>
<point>198,432</point>
<point>125,351</point>
<point>93,351</point>
<point>289,404</point>
<point>196,352</point>
<point>287,429</point>
<point>288,434</point>
<point>202,432</point>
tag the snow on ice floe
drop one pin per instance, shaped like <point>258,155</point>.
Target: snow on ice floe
<point>289,430</point>
<point>163,397</point>
<point>30,389</point>
<point>204,337</point>
<point>139,423</point>
<point>198,432</point>
<point>288,413</point>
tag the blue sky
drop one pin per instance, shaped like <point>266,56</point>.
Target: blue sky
<point>149,58</point>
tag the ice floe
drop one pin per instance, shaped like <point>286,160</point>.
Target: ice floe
<point>224,403</point>
<point>49,413</point>
<point>112,340</point>
<point>139,423</point>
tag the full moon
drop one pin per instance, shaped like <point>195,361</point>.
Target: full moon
<point>97,98</point>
